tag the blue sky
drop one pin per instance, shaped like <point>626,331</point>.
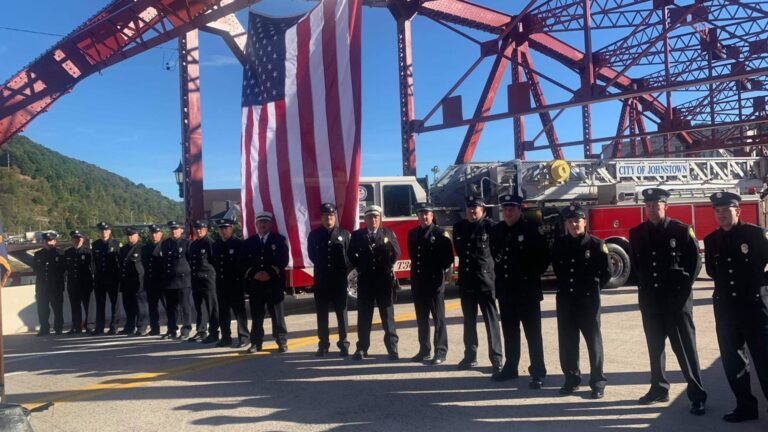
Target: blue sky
<point>126,119</point>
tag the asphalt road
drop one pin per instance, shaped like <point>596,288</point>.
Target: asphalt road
<point>140,384</point>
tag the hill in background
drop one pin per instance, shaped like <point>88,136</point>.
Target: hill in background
<point>43,189</point>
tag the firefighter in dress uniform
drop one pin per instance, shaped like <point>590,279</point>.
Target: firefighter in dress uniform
<point>79,280</point>
<point>582,267</point>
<point>229,285</point>
<point>431,255</point>
<point>177,282</point>
<point>132,285</point>
<point>665,256</point>
<point>49,268</point>
<point>736,256</point>
<point>521,254</point>
<point>264,258</point>
<point>153,277</point>
<point>204,285</point>
<point>373,251</point>
<point>106,278</point>
<point>471,239</point>
<point>327,249</point>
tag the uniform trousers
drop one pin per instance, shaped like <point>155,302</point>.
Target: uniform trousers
<point>470,301</point>
<point>232,300</point>
<point>432,303</point>
<point>102,290</point>
<point>367,299</point>
<point>260,305</point>
<point>50,300</point>
<point>339,304</point>
<point>577,316</point>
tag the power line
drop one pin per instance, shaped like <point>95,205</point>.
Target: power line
<point>30,31</point>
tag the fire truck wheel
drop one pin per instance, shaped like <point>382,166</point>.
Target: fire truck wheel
<point>352,290</point>
<point>621,266</point>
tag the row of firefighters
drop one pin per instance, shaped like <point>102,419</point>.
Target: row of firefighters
<point>500,269</point>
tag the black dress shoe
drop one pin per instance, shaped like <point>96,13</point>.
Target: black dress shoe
<point>282,348</point>
<point>466,364</point>
<point>698,408</point>
<point>359,355</point>
<point>536,383</point>
<point>125,332</point>
<point>254,348</point>
<point>393,356</point>
<point>497,373</point>
<point>43,332</point>
<point>420,357</point>
<point>96,333</point>
<point>321,352</point>
<point>438,359</point>
<point>240,344</point>
<point>112,332</point>
<point>597,394</point>
<point>224,343</point>
<point>343,352</point>
<point>169,335</point>
<point>211,338</point>
<point>737,416</point>
<point>568,389</point>
<point>154,333</point>
<point>653,397</point>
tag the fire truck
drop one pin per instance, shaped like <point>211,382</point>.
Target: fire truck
<point>610,190</point>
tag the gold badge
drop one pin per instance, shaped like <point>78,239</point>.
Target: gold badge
<point>338,238</point>
<point>386,240</point>
<point>744,248</point>
<point>604,248</point>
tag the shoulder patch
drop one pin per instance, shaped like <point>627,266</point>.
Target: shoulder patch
<point>604,248</point>
<point>691,233</point>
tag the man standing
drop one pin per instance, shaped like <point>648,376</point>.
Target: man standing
<point>327,249</point>
<point>472,238</point>
<point>665,256</point>
<point>521,255</point>
<point>49,270</point>
<point>79,280</point>
<point>431,255</point>
<point>204,285</point>
<point>106,277</point>
<point>178,282</point>
<point>373,251</point>
<point>131,285</point>
<point>736,256</point>
<point>582,268</point>
<point>152,261</point>
<point>229,285</point>
<point>265,256</point>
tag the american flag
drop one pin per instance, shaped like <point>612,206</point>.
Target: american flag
<point>5,266</point>
<point>301,120</point>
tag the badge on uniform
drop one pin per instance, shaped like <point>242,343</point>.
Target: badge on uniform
<point>386,240</point>
<point>56,259</point>
<point>135,255</point>
<point>202,251</point>
<point>586,254</point>
<point>181,249</point>
<point>274,247</point>
<point>111,249</point>
<point>231,251</point>
<point>431,239</point>
<point>82,257</point>
<point>520,238</point>
<point>744,248</point>
<point>672,243</point>
<point>338,238</point>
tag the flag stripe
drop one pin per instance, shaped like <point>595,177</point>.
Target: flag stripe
<point>261,164</point>
<point>247,192</point>
<point>350,216</point>
<point>284,185</point>
<point>335,138</point>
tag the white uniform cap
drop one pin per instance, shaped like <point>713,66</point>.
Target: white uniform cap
<point>374,209</point>
<point>264,216</point>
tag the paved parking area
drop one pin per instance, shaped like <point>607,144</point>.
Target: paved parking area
<point>143,384</point>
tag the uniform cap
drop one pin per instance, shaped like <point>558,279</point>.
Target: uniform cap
<point>725,199</point>
<point>475,201</point>
<point>131,231</point>
<point>50,235</point>
<point>327,208</point>
<point>574,211</point>
<point>655,194</point>
<point>424,207</point>
<point>155,228</point>
<point>76,234</point>
<point>222,223</point>
<point>173,224</point>
<point>103,226</point>
<point>374,209</point>
<point>265,215</point>
<point>200,224</point>
<point>509,200</point>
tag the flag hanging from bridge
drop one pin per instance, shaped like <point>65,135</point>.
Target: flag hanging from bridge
<point>300,142</point>
<point>5,266</point>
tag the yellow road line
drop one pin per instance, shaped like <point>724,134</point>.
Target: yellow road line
<point>143,379</point>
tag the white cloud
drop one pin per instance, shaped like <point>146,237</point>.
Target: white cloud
<point>218,60</point>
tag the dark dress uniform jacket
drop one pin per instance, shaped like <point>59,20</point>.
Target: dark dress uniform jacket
<point>201,262</point>
<point>131,269</point>
<point>106,260</point>
<point>49,267</point>
<point>328,252</point>
<point>226,255</point>
<point>522,256</point>
<point>374,259</point>
<point>431,253</point>
<point>472,242</point>
<point>178,274</point>
<point>581,265</point>
<point>79,268</point>
<point>153,266</point>
<point>666,260</point>
<point>270,257</point>
<point>736,261</point>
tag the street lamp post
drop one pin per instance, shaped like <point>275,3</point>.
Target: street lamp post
<point>179,173</point>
